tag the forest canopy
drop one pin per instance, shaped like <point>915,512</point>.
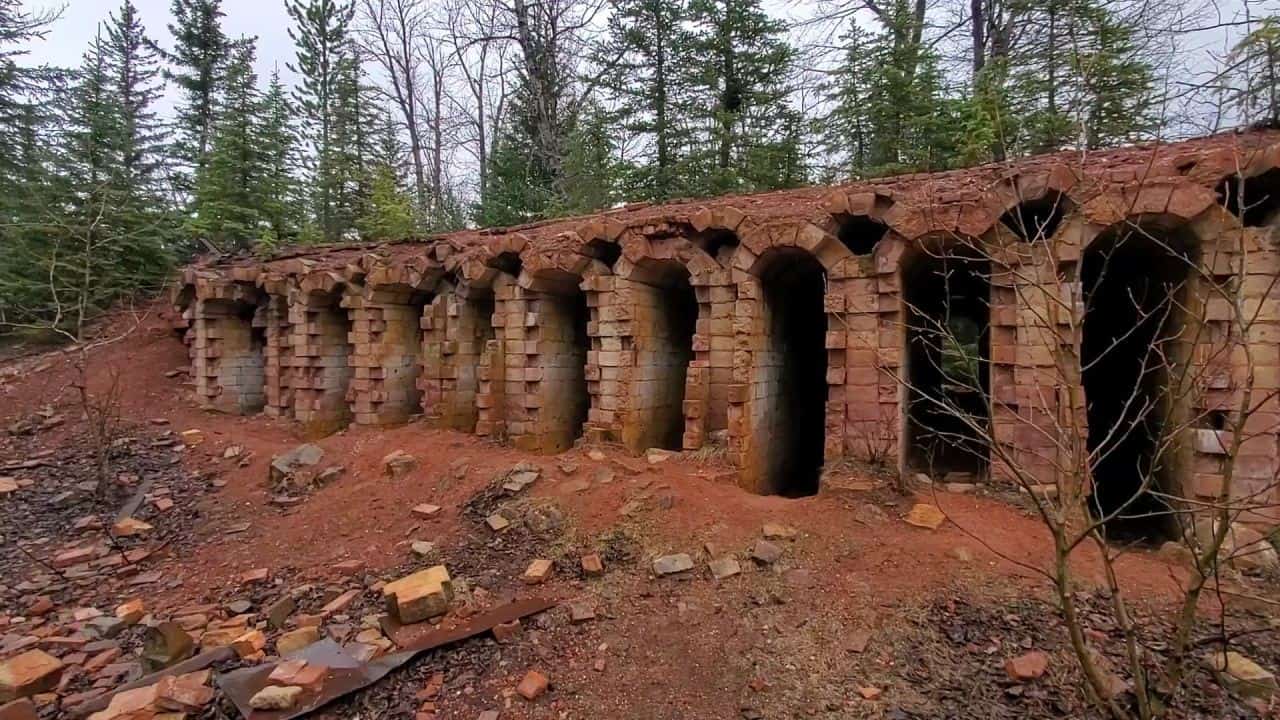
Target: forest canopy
<point>405,117</point>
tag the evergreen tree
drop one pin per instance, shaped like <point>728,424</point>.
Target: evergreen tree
<point>115,233</point>
<point>324,56</point>
<point>892,113</point>
<point>1074,78</point>
<point>355,136</point>
<point>199,59</point>
<point>228,198</point>
<point>591,170</point>
<point>748,134</point>
<point>134,68</point>
<point>1257,97</point>
<point>280,193</point>
<point>650,81</point>
<point>31,203</point>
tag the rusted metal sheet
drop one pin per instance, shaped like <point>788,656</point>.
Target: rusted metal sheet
<point>424,636</point>
<point>346,674</point>
<point>199,662</point>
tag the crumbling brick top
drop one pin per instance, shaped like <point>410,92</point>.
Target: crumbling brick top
<point>1180,179</point>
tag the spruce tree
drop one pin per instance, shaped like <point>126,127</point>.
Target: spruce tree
<point>199,59</point>
<point>33,200</point>
<point>649,48</point>
<point>324,55</point>
<point>228,198</point>
<point>280,193</point>
<point>749,129</point>
<point>1257,55</point>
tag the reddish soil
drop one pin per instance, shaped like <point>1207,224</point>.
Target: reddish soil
<point>776,641</point>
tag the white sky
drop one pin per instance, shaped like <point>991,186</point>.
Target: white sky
<point>69,37</point>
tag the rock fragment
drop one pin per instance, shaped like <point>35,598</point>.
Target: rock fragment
<point>672,564</point>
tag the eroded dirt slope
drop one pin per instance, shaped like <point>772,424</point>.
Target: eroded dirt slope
<point>848,612</point>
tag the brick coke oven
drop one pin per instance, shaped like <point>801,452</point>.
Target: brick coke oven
<point>786,325</point>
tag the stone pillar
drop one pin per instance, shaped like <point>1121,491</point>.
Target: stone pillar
<point>503,355</point>
<point>386,321</point>
<point>279,357</point>
<point>228,358</point>
<point>321,368</point>
<point>611,360</point>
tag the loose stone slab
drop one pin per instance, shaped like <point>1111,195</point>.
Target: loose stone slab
<point>672,564</point>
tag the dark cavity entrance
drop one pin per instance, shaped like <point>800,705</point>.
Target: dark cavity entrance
<point>860,233</point>
<point>666,315</point>
<point>791,429</point>
<point>254,395</point>
<point>1254,200</point>
<point>1037,220</point>
<point>948,363</point>
<point>1134,288</point>
<point>563,343</point>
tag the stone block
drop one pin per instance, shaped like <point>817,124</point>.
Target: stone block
<point>420,596</point>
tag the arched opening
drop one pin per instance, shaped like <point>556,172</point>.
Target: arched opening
<point>664,318</point>
<point>860,233</point>
<point>1135,285</point>
<point>241,360</point>
<point>718,243</point>
<point>508,262</point>
<point>401,354</point>
<point>947,293</point>
<point>329,351</point>
<point>562,344</point>
<point>1037,220</point>
<point>790,390</point>
<point>604,251</point>
<point>1254,200</point>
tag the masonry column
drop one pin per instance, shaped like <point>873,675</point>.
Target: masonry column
<point>611,359</point>
<point>387,347</point>
<point>321,359</point>
<point>228,360</point>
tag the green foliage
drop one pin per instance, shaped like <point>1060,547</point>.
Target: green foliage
<point>746,137</point>
<point>100,227</point>
<point>389,211</point>
<point>893,113</point>
<point>228,199</point>
<point>324,64</point>
<point>199,59</point>
<point>1257,56</point>
<point>648,50</point>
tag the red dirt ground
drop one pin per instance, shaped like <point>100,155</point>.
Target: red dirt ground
<point>772,642</point>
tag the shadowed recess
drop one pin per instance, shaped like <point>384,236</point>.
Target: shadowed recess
<point>1134,286</point>
<point>948,363</point>
<point>792,377</point>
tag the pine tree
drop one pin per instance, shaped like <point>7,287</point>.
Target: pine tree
<point>748,133</point>
<point>199,59</point>
<point>1257,96</point>
<point>591,171</point>
<point>324,55</point>
<point>280,193</point>
<point>134,67</point>
<point>32,201</point>
<point>115,233</point>
<point>650,50</point>
<point>1073,78</point>
<point>228,199</point>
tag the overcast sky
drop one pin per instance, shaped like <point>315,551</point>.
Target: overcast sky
<point>69,37</point>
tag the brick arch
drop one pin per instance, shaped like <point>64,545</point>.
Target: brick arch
<point>637,248</point>
<point>801,236</point>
